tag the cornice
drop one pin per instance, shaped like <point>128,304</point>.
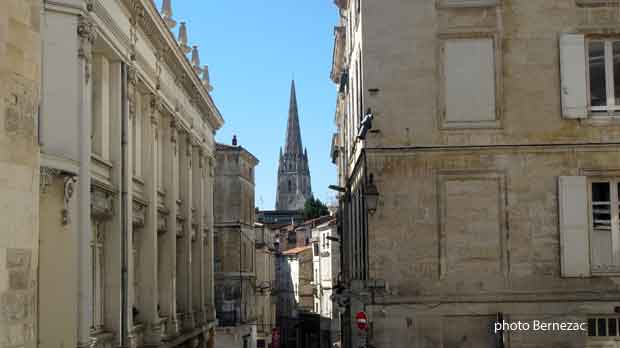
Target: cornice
<point>109,23</point>
<point>154,27</point>
<point>72,7</point>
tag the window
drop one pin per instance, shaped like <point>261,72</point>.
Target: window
<point>589,225</point>
<point>605,232</point>
<point>603,327</point>
<point>604,76</point>
<point>469,82</point>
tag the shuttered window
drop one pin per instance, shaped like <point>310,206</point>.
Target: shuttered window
<point>605,229</point>
<point>574,243</point>
<point>573,79</point>
<point>589,225</point>
<point>590,69</point>
<point>604,76</point>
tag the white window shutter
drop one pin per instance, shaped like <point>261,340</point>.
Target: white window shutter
<point>573,80</point>
<point>574,241</point>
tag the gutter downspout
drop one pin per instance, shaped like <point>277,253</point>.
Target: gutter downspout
<point>124,206</point>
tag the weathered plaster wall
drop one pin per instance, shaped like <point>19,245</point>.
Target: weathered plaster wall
<point>402,59</point>
<point>19,169</point>
<point>480,236</point>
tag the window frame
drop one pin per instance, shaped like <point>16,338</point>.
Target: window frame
<point>614,201</point>
<point>497,58</point>
<point>610,110</point>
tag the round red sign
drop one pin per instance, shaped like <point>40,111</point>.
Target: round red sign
<point>362,321</point>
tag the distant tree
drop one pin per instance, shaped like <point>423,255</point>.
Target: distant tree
<point>314,208</point>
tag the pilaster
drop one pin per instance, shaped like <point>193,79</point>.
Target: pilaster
<point>149,296</point>
<point>169,246</point>
<point>184,295</point>
<point>198,246</point>
<point>86,35</point>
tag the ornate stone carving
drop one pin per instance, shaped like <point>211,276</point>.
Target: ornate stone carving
<point>87,34</point>
<point>162,223</point>
<point>201,158</point>
<point>47,175</point>
<point>101,204</point>
<point>132,79</point>
<point>173,131</point>
<point>139,214</point>
<point>69,189</point>
<point>193,234</point>
<point>180,229</point>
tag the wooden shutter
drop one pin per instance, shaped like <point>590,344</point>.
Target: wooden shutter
<point>574,241</point>
<point>573,80</point>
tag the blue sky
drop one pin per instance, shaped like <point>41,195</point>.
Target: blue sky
<point>253,49</point>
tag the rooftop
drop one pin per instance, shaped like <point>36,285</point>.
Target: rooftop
<point>297,250</point>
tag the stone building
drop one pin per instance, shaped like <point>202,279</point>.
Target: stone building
<point>127,155</point>
<point>295,293</point>
<point>20,78</point>
<point>294,184</point>
<point>326,265</point>
<point>478,153</point>
<point>266,295</point>
<point>235,264</point>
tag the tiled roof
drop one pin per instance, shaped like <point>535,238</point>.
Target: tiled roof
<point>296,250</point>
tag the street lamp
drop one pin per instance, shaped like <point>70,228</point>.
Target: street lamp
<point>372,195</point>
<point>337,188</point>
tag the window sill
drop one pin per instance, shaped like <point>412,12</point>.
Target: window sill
<point>492,125</point>
<point>466,3</point>
<point>597,3</point>
<point>596,120</point>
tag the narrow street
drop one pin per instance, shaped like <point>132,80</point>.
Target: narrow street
<point>310,174</point>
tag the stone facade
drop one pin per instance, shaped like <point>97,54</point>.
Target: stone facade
<point>266,291</point>
<point>294,184</point>
<point>295,293</point>
<point>235,256</point>
<point>20,52</point>
<point>127,163</point>
<point>494,187</point>
<point>326,265</point>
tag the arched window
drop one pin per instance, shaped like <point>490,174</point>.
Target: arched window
<point>290,186</point>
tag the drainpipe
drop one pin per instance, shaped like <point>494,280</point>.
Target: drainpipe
<point>124,206</point>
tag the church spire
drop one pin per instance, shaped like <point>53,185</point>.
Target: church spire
<point>293,134</point>
<point>294,187</point>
